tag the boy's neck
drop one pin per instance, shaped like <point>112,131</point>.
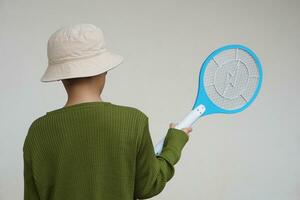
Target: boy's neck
<point>77,100</point>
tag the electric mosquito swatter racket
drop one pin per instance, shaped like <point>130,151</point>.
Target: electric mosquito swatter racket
<point>229,81</point>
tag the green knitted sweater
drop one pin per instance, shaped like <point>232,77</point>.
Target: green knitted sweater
<point>96,151</point>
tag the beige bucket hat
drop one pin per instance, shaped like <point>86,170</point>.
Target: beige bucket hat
<point>78,51</point>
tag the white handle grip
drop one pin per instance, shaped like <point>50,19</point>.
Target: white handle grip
<point>188,121</point>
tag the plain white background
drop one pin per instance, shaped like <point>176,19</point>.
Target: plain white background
<point>251,155</point>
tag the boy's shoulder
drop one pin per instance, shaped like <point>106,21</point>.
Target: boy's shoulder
<point>36,122</point>
<point>32,130</point>
<point>132,110</point>
<point>43,119</point>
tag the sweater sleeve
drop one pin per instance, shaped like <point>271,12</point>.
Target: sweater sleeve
<point>30,190</point>
<point>153,172</point>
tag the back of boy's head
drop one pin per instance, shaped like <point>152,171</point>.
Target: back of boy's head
<point>93,82</point>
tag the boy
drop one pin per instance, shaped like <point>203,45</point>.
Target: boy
<point>91,149</point>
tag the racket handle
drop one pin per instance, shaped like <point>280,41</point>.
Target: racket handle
<point>188,121</point>
<point>191,118</point>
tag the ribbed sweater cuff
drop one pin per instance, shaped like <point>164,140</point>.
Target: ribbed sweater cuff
<point>173,145</point>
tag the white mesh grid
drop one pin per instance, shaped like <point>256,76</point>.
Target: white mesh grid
<point>231,79</point>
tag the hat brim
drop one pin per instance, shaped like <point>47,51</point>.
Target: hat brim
<point>82,67</point>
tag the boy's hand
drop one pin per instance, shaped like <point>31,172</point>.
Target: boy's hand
<point>186,130</point>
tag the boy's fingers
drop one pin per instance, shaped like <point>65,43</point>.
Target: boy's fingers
<point>172,125</point>
<point>187,130</point>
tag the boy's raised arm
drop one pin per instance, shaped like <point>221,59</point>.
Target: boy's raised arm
<point>153,172</point>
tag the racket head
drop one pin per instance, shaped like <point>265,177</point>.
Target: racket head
<point>248,76</point>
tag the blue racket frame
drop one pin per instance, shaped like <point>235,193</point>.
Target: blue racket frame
<point>202,97</point>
